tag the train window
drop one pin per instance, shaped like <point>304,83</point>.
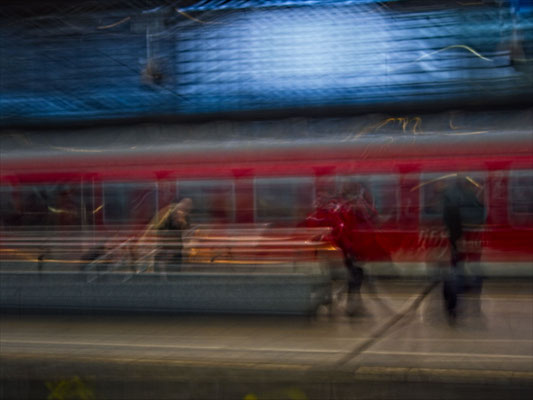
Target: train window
<point>213,201</point>
<point>36,205</point>
<point>8,213</point>
<point>379,190</point>
<point>42,205</point>
<point>129,203</point>
<point>433,187</point>
<point>283,200</point>
<point>521,194</point>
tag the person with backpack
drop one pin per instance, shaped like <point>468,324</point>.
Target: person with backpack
<point>170,228</point>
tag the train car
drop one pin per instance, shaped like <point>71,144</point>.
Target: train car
<point>66,199</point>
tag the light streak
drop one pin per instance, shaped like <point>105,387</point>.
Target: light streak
<point>454,46</point>
<point>192,18</point>
<point>27,256</point>
<point>433,181</point>
<point>115,24</point>
<point>417,125</point>
<point>473,182</point>
<point>382,124</point>
<point>452,126</point>
<point>75,150</point>
<point>466,133</point>
<point>17,253</point>
<point>60,211</point>
<point>404,121</point>
<point>468,178</point>
<point>98,209</point>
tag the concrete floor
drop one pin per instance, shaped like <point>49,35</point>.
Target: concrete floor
<point>401,335</point>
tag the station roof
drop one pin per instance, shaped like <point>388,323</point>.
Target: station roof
<point>69,63</point>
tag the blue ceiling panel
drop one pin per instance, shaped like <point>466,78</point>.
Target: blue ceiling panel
<point>84,63</point>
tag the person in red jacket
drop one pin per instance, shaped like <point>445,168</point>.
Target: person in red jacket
<point>359,217</point>
<point>347,215</point>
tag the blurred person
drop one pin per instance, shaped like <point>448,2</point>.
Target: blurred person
<point>358,213</point>
<point>463,216</point>
<point>347,215</point>
<point>170,229</point>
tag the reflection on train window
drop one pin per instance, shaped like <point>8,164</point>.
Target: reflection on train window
<point>521,193</point>
<point>42,205</point>
<point>213,201</point>
<point>379,190</point>
<point>284,200</point>
<point>434,186</point>
<point>129,203</point>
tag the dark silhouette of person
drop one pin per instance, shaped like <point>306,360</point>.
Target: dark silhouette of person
<point>170,232</point>
<point>463,216</point>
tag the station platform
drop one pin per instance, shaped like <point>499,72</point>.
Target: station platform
<point>400,345</point>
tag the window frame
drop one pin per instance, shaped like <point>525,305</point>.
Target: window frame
<point>288,180</point>
<point>517,219</point>
<point>424,218</point>
<point>202,183</point>
<point>368,181</point>
<point>119,222</point>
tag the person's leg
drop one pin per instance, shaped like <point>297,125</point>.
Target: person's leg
<point>450,294</point>
<point>176,260</point>
<point>355,280</point>
<point>452,282</point>
<point>162,260</point>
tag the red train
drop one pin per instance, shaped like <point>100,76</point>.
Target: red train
<point>86,192</point>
